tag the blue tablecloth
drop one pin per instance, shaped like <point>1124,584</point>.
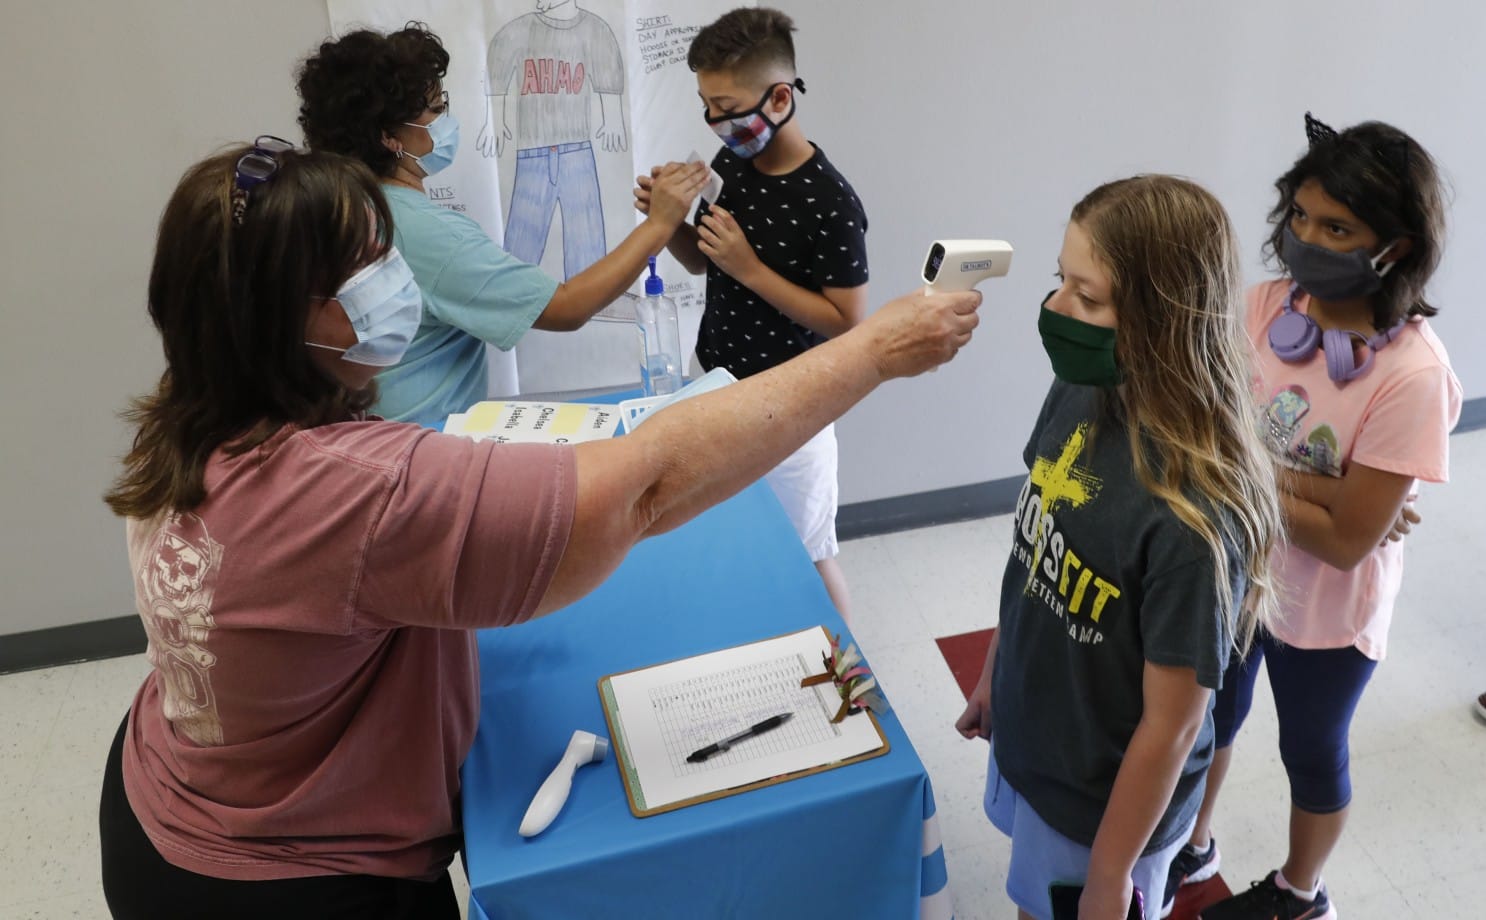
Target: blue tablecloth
<point>860,841</point>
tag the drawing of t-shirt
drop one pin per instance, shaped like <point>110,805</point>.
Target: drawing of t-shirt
<point>553,66</point>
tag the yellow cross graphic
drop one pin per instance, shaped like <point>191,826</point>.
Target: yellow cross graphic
<point>1061,483</point>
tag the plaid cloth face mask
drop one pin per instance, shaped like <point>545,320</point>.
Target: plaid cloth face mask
<point>748,133</point>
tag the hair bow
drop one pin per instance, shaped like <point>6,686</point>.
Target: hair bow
<point>853,680</point>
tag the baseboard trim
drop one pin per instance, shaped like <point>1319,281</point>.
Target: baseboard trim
<point>998,496</point>
<point>1472,415</point>
<point>46,648</point>
<point>93,641</point>
<point>926,509</point>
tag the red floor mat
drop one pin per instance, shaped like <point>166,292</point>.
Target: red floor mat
<point>1190,900</point>
<point>966,654</point>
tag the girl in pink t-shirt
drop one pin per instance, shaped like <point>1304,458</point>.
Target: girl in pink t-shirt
<point>1356,400</point>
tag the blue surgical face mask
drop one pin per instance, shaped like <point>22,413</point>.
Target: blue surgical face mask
<point>385,307</point>
<point>444,132</point>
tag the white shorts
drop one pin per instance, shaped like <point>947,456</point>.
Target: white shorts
<point>805,484</point>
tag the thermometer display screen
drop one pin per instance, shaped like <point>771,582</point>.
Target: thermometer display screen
<point>936,259</point>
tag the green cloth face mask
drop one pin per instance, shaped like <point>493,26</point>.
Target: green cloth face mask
<point>1081,352</point>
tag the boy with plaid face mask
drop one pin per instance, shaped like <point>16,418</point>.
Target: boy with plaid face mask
<point>784,245</point>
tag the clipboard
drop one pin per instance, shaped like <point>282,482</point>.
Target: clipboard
<point>660,713</point>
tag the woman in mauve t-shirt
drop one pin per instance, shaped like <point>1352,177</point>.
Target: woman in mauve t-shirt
<point>310,578</point>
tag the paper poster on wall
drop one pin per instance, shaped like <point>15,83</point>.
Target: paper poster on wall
<point>561,103</point>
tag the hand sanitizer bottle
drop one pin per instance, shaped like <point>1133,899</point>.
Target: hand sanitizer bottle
<point>660,366</point>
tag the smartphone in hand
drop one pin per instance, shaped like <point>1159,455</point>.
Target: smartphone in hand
<point>1065,902</point>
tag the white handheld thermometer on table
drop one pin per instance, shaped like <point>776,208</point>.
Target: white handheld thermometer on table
<point>584,748</point>
<point>959,265</point>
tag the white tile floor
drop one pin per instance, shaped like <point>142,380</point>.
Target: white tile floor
<point>1416,846</point>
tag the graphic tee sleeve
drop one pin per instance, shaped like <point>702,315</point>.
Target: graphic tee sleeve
<point>503,59</point>
<point>1181,623</point>
<point>605,62</point>
<point>1406,429</point>
<point>471,534</point>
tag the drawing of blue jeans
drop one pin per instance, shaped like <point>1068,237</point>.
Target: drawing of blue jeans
<point>563,176</point>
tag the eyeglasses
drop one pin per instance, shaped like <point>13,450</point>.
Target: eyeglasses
<point>254,168</point>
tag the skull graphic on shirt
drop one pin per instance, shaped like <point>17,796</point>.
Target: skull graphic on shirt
<point>176,583</point>
<point>179,567</point>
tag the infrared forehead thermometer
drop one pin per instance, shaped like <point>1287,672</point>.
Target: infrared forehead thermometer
<point>584,748</point>
<point>959,265</point>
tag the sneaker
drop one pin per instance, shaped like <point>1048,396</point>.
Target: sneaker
<point>1481,705</point>
<point>1266,900</point>
<point>1188,868</point>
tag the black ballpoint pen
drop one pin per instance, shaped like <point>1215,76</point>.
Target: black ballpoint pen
<point>724,744</point>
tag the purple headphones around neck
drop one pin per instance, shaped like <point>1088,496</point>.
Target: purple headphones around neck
<point>1294,337</point>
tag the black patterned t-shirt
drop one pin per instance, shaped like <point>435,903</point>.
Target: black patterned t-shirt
<point>809,227</point>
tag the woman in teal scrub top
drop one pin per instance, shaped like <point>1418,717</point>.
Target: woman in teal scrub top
<point>380,98</point>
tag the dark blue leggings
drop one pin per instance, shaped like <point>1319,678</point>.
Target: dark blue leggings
<point>1315,694</point>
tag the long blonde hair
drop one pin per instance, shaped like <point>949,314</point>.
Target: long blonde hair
<point>1175,275</point>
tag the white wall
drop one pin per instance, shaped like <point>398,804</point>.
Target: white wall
<point>952,118</point>
<point>965,118</point>
<point>105,105</point>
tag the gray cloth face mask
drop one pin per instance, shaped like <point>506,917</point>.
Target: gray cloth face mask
<point>1329,275</point>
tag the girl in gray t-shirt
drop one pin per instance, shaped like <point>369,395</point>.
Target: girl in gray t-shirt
<point>1141,545</point>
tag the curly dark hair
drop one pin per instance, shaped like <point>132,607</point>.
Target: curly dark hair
<point>365,83</point>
